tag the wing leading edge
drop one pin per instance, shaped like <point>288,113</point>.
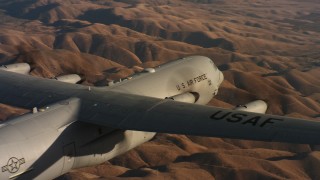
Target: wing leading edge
<point>132,112</point>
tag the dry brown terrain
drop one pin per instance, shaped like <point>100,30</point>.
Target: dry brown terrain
<point>267,50</point>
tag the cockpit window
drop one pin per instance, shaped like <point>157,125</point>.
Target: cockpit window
<point>214,66</point>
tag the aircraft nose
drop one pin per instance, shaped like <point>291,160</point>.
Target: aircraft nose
<point>221,77</point>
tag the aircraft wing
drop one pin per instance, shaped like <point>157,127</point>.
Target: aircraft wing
<point>132,112</point>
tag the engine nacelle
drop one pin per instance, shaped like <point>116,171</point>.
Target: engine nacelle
<point>186,97</point>
<point>257,106</point>
<point>69,78</point>
<point>21,68</point>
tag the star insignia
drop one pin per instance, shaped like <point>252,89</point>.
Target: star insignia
<point>13,165</point>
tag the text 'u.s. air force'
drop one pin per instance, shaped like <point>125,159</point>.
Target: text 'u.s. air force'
<point>191,82</point>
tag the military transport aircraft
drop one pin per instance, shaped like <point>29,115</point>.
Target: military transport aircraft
<point>73,125</point>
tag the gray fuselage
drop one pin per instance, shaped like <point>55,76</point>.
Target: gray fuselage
<point>51,142</point>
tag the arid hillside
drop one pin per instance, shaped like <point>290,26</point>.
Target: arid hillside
<point>267,50</point>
